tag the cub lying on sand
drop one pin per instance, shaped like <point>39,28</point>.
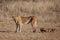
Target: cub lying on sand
<point>47,29</point>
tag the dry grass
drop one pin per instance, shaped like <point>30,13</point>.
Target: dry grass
<point>48,12</point>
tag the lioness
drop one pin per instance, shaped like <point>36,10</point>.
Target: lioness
<point>20,20</point>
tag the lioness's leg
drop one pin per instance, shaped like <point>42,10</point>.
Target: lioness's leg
<point>34,25</point>
<point>20,27</point>
<point>17,25</point>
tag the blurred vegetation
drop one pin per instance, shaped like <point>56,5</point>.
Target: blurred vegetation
<point>48,11</point>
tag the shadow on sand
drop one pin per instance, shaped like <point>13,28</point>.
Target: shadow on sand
<point>7,31</point>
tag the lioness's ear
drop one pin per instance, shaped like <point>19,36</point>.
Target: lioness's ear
<point>12,16</point>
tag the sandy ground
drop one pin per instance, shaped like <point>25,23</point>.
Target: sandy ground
<point>30,36</point>
<point>48,12</point>
<point>27,34</point>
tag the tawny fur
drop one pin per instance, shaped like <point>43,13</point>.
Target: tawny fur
<point>47,29</point>
<point>20,20</point>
